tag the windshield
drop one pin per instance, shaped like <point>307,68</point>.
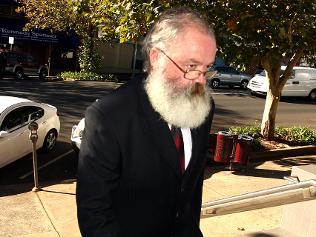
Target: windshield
<point>263,73</point>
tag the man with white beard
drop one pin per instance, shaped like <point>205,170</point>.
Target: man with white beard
<point>143,152</point>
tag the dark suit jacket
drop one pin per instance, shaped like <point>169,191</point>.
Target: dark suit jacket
<point>129,183</point>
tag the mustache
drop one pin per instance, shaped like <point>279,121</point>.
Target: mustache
<point>197,90</point>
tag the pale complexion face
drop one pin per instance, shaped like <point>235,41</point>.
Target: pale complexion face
<point>191,50</point>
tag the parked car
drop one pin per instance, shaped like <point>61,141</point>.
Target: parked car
<point>302,82</point>
<point>76,135</point>
<point>228,76</point>
<point>15,116</point>
<point>21,65</point>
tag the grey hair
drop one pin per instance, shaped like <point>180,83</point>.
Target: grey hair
<point>168,26</point>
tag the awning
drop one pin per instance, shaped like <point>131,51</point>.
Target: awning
<point>28,35</point>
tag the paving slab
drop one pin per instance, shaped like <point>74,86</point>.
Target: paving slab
<point>259,176</point>
<point>23,215</point>
<point>59,201</point>
<point>51,212</point>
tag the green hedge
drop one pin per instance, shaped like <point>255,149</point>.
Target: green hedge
<point>87,76</point>
<point>293,136</point>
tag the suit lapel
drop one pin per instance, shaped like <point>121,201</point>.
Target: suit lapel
<point>158,132</point>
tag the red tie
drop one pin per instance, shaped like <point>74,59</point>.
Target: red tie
<point>178,140</point>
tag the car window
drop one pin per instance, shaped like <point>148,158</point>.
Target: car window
<point>227,70</point>
<point>292,76</point>
<point>36,113</point>
<point>12,121</point>
<point>232,70</point>
<point>220,69</point>
<point>20,117</point>
<point>12,58</point>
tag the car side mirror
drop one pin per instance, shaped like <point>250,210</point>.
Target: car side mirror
<point>3,134</point>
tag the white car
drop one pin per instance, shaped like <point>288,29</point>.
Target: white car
<point>15,116</point>
<point>302,82</point>
<point>76,135</point>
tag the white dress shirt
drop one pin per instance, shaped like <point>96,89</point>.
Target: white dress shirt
<point>187,143</point>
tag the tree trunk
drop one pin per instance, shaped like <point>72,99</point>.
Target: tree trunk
<point>272,66</point>
<point>269,114</point>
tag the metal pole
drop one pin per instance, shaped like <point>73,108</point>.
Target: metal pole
<point>33,126</point>
<point>36,186</point>
<point>291,193</point>
<point>48,72</point>
<point>134,59</point>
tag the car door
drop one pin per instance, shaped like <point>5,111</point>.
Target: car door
<point>30,65</point>
<point>296,85</point>
<point>224,75</point>
<point>16,143</point>
<point>235,77</point>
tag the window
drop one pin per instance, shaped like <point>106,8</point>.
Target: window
<point>21,117</point>
<point>37,113</point>
<point>12,121</point>
<point>229,70</point>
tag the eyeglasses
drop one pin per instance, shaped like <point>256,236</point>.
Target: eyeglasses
<point>192,74</point>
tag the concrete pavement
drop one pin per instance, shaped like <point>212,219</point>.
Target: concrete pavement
<point>52,211</point>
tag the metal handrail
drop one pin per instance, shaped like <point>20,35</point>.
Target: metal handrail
<point>281,195</point>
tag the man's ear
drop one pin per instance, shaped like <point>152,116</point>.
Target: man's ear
<point>153,57</point>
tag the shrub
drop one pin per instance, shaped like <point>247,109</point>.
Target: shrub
<point>250,130</point>
<point>87,76</point>
<point>89,59</point>
<point>296,135</point>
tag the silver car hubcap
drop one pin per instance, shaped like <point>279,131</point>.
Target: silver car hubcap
<point>19,75</point>
<point>50,140</point>
<point>244,84</point>
<point>313,95</point>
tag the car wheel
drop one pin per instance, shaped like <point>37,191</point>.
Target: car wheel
<point>50,140</point>
<point>312,95</point>
<point>214,83</point>
<point>43,74</point>
<point>244,84</point>
<point>19,74</point>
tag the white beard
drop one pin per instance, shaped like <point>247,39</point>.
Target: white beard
<point>178,108</point>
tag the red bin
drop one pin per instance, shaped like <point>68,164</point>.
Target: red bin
<point>224,146</point>
<point>243,149</point>
<point>212,142</point>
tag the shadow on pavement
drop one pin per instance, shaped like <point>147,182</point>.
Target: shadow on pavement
<point>262,173</point>
<point>252,169</point>
<point>289,162</point>
<point>55,167</point>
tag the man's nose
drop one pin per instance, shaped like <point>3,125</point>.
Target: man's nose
<point>201,79</point>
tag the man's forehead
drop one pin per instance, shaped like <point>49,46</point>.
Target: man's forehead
<point>194,50</point>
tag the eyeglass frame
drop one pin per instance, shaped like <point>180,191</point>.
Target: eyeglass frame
<point>211,75</point>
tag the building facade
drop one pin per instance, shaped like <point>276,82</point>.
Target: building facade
<point>46,48</point>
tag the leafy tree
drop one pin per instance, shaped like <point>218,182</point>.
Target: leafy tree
<point>269,32</point>
<point>130,20</point>
<point>65,15</point>
<point>250,32</point>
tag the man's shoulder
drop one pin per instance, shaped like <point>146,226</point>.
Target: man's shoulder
<point>121,99</point>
